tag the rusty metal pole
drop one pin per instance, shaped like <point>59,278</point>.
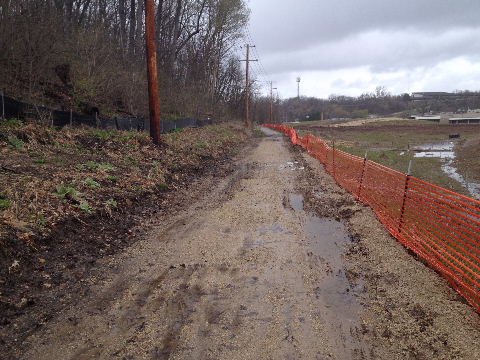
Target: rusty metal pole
<point>153,92</point>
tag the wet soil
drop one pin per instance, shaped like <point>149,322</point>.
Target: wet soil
<point>241,273</point>
<point>274,261</point>
<point>468,160</point>
<point>409,311</point>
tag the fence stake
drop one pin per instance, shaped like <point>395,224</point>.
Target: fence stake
<point>363,173</point>
<point>3,106</point>
<point>333,158</point>
<point>71,118</point>
<point>405,192</point>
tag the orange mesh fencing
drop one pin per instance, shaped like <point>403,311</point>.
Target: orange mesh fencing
<point>440,226</point>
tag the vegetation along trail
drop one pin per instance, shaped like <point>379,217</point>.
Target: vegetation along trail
<point>273,262</point>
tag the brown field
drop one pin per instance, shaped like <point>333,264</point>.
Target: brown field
<point>389,142</point>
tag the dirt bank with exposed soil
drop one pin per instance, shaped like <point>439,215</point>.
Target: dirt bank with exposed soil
<point>43,266</point>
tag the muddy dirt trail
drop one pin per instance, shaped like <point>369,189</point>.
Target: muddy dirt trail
<point>257,269</point>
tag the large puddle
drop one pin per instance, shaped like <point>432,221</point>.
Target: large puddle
<point>327,239</point>
<point>445,151</point>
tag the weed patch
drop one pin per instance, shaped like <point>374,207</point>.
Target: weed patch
<point>15,143</point>
<point>5,204</point>
<point>13,122</point>
<point>92,183</point>
<point>67,191</point>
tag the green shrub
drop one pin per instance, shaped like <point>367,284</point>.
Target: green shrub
<point>91,165</point>
<point>67,191</point>
<point>176,131</point>
<point>111,203</point>
<point>15,143</point>
<point>41,220</point>
<point>85,207</point>
<point>92,183</point>
<point>13,122</point>
<point>5,204</point>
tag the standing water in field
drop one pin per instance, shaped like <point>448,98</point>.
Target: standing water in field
<point>444,150</point>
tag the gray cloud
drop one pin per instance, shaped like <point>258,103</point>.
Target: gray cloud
<point>382,37</point>
<point>381,51</point>
<point>299,23</point>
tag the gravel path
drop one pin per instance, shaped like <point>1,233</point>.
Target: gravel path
<point>257,269</point>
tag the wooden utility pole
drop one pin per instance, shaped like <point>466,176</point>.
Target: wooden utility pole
<point>248,122</point>
<point>153,92</point>
<point>271,102</point>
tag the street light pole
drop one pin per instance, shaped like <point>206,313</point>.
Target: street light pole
<point>153,92</point>
<point>298,87</point>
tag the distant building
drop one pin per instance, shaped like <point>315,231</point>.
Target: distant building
<point>421,96</point>
<point>429,118</point>
<point>432,95</point>
<point>464,120</point>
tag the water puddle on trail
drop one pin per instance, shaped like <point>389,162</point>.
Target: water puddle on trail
<point>327,240</point>
<point>445,150</point>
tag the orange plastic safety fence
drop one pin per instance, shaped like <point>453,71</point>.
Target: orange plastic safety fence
<point>439,225</point>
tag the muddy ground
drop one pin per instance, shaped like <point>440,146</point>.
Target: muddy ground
<point>40,277</point>
<point>468,159</point>
<point>408,310</point>
<point>390,143</point>
<point>380,134</point>
<point>271,261</point>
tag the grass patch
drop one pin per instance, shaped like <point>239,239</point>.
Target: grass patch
<point>15,143</point>
<point>258,133</point>
<point>112,178</point>
<point>5,204</point>
<point>111,203</point>
<point>427,169</point>
<point>40,161</point>
<point>67,191</point>
<point>201,145</point>
<point>389,141</point>
<point>13,122</point>
<point>85,207</point>
<point>176,131</point>
<point>90,169</point>
<point>94,166</point>
<point>92,183</point>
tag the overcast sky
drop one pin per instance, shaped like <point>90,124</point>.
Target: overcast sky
<point>352,46</point>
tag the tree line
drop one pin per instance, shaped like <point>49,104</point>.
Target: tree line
<point>77,52</point>
<point>378,103</point>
